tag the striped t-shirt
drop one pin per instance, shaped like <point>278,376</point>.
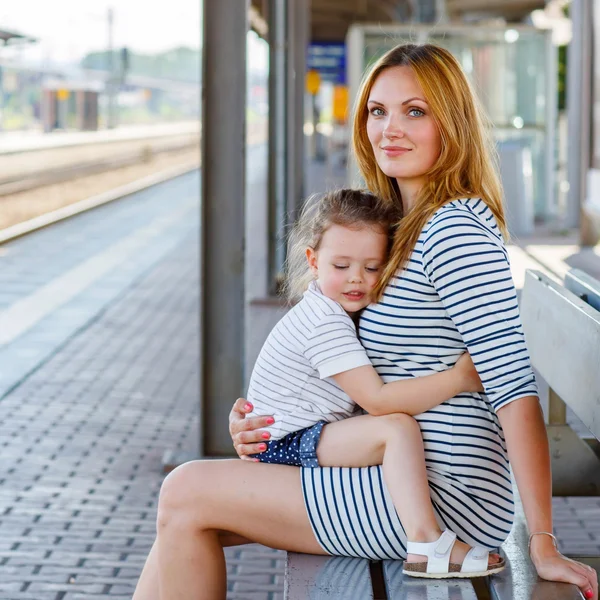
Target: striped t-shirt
<point>456,294</point>
<point>291,379</point>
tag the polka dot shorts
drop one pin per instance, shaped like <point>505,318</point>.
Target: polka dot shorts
<point>298,448</point>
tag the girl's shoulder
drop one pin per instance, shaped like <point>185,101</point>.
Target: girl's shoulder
<point>320,306</point>
<point>463,213</point>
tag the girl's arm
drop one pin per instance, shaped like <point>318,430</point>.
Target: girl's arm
<point>411,396</point>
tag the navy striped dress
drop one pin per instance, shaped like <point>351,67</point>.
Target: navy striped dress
<point>456,294</point>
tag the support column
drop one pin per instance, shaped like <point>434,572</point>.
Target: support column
<point>299,28</point>
<point>225,26</point>
<point>288,37</point>
<point>278,134</point>
<point>579,109</point>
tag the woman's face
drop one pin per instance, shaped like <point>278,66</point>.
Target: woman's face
<point>404,136</point>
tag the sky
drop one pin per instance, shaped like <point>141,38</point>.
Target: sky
<point>68,29</point>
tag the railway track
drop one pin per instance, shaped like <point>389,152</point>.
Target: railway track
<point>39,222</point>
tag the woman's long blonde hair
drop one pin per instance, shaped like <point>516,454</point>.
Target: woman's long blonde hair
<point>467,164</point>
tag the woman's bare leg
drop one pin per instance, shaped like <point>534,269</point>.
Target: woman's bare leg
<point>147,586</point>
<point>201,500</point>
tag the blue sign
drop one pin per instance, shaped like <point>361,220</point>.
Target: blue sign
<point>329,59</point>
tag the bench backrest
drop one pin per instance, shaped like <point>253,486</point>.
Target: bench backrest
<point>563,336</point>
<point>584,286</point>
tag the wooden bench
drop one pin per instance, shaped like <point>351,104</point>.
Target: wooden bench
<point>562,326</point>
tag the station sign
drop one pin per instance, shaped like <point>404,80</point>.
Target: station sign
<point>329,60</point>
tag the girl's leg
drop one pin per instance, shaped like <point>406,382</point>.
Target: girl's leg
<point>202,500</point>
<point>395,442</point>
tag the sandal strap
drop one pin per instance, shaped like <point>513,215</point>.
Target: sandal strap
<point>437,553</point>
<point>476,560</point>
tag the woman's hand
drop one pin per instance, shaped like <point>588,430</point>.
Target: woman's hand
<point>466,371</point>
<point>246,433</point>
<point>553,566</point>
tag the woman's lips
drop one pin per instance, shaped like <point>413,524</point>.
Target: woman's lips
<point>394,151</point>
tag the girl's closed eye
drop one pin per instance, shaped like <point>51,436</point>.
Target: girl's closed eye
<point>340,266</point>
<point>372,269</point>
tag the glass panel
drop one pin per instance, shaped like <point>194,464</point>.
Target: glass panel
<point>508,69</point>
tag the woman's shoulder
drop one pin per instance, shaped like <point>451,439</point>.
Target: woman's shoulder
<point>463,214</point>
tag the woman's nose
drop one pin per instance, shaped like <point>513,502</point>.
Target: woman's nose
<point>393,129</point>
<point>392,133</point>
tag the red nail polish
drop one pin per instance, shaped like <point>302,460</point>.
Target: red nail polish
<point>262,446</point>
<point>270,420</point>
<point>265,436</point>
<point>589,593</point>
<point>248,406</point>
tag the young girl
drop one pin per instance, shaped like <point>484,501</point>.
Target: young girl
<point>312,370</point>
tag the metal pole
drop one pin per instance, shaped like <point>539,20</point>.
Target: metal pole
<point>225,26</point>
<point>278,136</point>
<point>1,98</point>
<point>110,84</point>
<point>579,107</point>
<point>301,26</point>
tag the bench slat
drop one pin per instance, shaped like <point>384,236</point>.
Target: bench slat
<point>558,326</point>
<point>402,587</point>
<point>309,577</point>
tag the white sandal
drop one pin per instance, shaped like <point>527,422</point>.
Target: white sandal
<point>438,565</point>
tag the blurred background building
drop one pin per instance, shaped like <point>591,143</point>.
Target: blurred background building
<point>68,67</point>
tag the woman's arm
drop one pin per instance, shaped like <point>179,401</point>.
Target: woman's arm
<point>468,266</point>
<point>529,455</point>
<point>410,396</point>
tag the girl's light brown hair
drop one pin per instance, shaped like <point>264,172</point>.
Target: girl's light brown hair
<point>467,164</point>
<point>345,207</point>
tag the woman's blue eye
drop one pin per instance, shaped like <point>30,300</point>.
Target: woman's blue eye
<point>374,113</point>
<point>416,110</point>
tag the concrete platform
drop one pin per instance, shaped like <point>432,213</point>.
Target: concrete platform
<point>29,141</point>
<point>100,383</point>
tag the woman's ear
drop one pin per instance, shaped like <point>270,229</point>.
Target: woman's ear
<point>311,258</point>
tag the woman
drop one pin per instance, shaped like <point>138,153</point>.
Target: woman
<point>420,142</point>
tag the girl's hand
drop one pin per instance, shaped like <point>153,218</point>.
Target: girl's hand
<point>553,566</point>
<point>246,433</point>
<point>465,369</point>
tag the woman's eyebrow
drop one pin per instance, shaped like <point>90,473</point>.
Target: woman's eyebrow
<point>414,98</point>
<point>369,101</point>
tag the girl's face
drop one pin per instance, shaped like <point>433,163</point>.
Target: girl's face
<point>403,134</point>
<point>348,263</point>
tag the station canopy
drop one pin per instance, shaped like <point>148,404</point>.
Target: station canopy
<point>330,19</point>
<point>12,37</point>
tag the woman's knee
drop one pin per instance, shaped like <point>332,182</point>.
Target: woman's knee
<point>181,500</point>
